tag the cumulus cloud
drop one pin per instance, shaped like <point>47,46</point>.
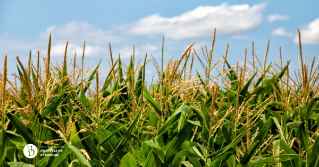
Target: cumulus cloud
<point>228,19</point>
<point>310,33</point>
<point>281,32</point>
<point>74,32</point>
<point>127,52</point>
<point>78,32</point>
<point>275,17</point>
<point>149,48</point>
<point>58,50</point>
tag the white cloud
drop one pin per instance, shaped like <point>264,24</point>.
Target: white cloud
<point>58,50</point>
<point>78,32</point>
<point>309,34</point>
<point>275,17</point>
<point>127,52</point>
<point>239,37</point>
<point>281,32</point>
<point>149,48</point>
<point>74,32</point>
<point>200,22</point>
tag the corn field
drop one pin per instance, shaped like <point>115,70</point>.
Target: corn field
<point>256,114</point>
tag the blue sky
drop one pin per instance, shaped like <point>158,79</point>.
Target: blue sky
<point>26,25</point>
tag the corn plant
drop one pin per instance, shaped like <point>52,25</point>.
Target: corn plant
<point>247,115</point>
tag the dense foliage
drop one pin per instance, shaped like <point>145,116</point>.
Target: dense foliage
<point>245,116</point>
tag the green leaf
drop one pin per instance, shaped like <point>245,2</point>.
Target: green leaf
<point>315,117</point>
<point>293,124</point>
<point>225,132</point>
<point>279,128</point>
<point>221,160</point>
<point>187,164</point>
<point>110,159</point>
<point>314,155</point>
<point>174,146</point>
<point>3,145</point>
<point>194,160</point>
<point>128,161</point>
<point>259,139</point>
<point>152,102</point>
<point>19,164</point>
<point>21,128</point>
<point>78,154</point>
<point>113,133</point>
<point>180,155</point>
<point>172,119</point>
<point>271,160</point>
<point>76,141</point>
<point>139,84</point>
<point>287,150</point>
<point>62,156</point>
<point>152,143</point>
<point>311,106</point>
<point>138,156</point>
<point>54,104</point>
<point>233,144</point>
<point>16,139</point>
<point>184,113</point>
<point>152,160</point>
<point>91,77</point>
<point>120,70</point>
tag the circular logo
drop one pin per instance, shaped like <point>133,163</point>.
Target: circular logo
<point>30,151</point>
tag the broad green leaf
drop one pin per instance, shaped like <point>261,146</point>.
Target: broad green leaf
<point>152,143</point>
<point>128,161</point>
<point>16,139</point>
<point>314,155</point>
<point>293,124</point>
<point>152,160</point>
<point>138,156</point>
<point>21,128</point>
<point>176,143</point>
<point>315,117</point>
<point>88,142</point>
<point>180,155</point>
<point>311,106</point>
<point>194,160</point>
<point>3,145</point>
<point>76,141</point>
<point>78,154</point>
<point>225,132</point>
<point>287,150</point>
<point>184,113</point>
<point>172,119</point>
<point>152,102</point>
<point>187,164</point>
<point>63,155</point>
